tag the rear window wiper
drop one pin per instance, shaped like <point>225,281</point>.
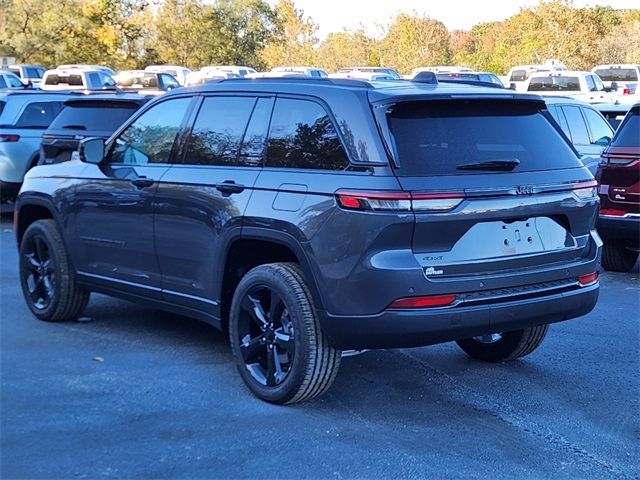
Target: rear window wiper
<point>496,165</point>
<point>75,127</point>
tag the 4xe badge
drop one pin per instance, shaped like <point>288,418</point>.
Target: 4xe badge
<point>430,271</point>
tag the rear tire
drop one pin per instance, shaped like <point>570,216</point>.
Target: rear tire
<point>509,346</point>
<point>47,277</point>
<point>277,343</point>
<point>616,257</point>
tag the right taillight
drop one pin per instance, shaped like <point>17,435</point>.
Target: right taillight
<point>388,201</point>
<point>586,190</point>
<point>428,301</point>
<point>612,212</point>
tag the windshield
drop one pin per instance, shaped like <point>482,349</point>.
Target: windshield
<point>451,137</point>
<point>617,74</point>
<point>92,118</point>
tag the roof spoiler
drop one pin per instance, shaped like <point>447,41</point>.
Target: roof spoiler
<point>428,78</point>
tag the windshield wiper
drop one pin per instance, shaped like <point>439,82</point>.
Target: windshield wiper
<point>496,165</point>
<point>75,127</point>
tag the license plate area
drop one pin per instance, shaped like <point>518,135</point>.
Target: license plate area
<point>501,240</point>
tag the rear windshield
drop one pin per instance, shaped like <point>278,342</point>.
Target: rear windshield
<point>447,137</point>
<point>617,74</point>
<point>71,80</point>
<point>554,84</point>
<point>462,76</point>
<point>93,118</point>
<point>629,134</point>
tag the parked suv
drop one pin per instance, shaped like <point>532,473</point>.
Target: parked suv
<point>619,179</point>
<point>96,115</point>
<point>24,116</point>
<point>313,216</point>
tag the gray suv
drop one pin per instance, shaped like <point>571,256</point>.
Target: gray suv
<point>309,217</point>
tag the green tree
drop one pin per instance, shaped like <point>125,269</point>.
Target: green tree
<point>346,49</point>
<point>295,38</point>
<point>415,41</point>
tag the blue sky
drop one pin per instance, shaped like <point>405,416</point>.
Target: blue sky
<point>336,15</point>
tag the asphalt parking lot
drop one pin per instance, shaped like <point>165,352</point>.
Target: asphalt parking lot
<point>132,392</point>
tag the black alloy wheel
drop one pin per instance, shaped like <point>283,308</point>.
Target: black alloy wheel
<point>38,272</point>
<point>266,336</point>
<point>278,345</point>
<point>47,276</point>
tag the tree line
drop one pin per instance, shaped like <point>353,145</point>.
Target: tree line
<point>135,33</point>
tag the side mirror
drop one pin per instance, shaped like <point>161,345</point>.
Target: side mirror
<point>27,84</point>
<point>613,87</point>
<point>91,150</point>
<point>603,141</point>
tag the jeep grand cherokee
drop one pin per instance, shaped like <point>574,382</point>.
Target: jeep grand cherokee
<point>308,217</point>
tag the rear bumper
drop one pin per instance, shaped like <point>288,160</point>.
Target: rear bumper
<point>414,328</point>
<point>620,228</point>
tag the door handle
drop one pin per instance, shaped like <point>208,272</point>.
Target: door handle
<point>142,182</point>
<point>229,187</point>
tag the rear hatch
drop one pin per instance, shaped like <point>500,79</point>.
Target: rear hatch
<point>619,173</point>
<point>496,188</point>
<point>81,119</point>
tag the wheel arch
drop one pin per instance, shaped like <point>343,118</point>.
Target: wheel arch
<point>258,246</point>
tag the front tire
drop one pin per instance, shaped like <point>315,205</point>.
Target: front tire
<point>277,343</point>
<point>502,347</point>
<point>46,275</point>
<point>616,257</point>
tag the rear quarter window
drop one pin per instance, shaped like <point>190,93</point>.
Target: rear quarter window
<point>38,115</point>
<point>628,135</point>
<point>436,137</point>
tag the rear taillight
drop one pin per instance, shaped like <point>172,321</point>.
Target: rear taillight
<point>7,138</point>
<point>627,91</point>
<point>613,212</point>
<point>423,302</point>
<point>48,137</point>
<point>382,201</point>
<point>588,279</point>
<point>586,190</point>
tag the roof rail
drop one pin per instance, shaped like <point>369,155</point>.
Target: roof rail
<point>344,82</point>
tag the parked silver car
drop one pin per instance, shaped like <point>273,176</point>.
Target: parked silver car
<point>24,116</point>
<point>585,127</point>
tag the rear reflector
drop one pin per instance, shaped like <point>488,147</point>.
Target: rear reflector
<point>4,138</point>
<point>613,212</point>
<point>424,302</point>
<point>626,91</point>
<point>588,279</point>
<point>397,201</point>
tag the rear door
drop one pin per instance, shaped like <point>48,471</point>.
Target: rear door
<point>201,199</point>
<point>494,189</point>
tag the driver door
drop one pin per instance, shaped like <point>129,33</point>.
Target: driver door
<point>112,225</point>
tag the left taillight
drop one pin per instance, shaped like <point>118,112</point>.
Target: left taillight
<point>383,201</point>
<point>588,279</point>
<point>9,138</point>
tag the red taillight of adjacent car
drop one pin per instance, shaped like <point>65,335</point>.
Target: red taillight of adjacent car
<point>613,212</point>
<point>8,138</point>
<point>588,279</point>
<point>423,302</point>
<point>388,201</point>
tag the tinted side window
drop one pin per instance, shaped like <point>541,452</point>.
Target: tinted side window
<point>579,132</point>
<point>38,114</point>
<point>598,125</point>
<point>169,81</point>
<point>218,130</point>
<point>150,138</point>
<point>93,117</point>
<point>629,133</point>
<point>255,138</point>
<point>14,81</point>
<point>3,84</point>
<point>591,85</point>
<point>302,136</point>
